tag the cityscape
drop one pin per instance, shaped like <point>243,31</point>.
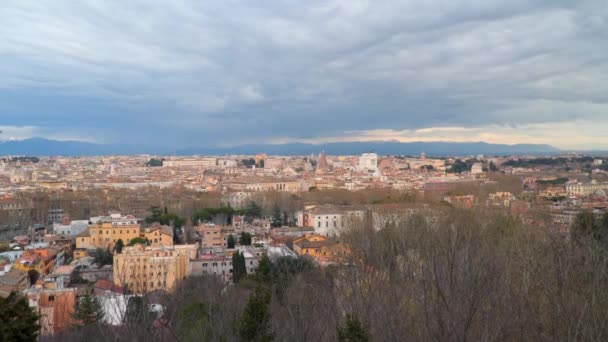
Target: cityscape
<point>322,171</point>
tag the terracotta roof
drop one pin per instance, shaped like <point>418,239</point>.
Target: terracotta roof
<point>107,285</point>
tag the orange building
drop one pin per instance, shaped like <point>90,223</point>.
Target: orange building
<point>321,248</point>
<point>55,306</point>
<point>41,260</point>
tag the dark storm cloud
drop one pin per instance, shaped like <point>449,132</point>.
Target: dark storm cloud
<point>233,71</point>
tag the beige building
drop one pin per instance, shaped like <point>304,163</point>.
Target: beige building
<point>585,189</point>
<point>106,234</point>
<point>142,269</point>
<point>208,162</point>
<point>212,235</point>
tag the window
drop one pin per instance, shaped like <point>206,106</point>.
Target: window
<point>51,298</point>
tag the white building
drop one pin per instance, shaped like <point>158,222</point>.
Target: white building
<point>72,228</point>
<point>331,221</point>
<point>588,189</point>
<point>221,265</point>
<point>477,168</point>
<point>368,161</point>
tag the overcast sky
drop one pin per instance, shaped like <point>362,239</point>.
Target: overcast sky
<point>192,73</point>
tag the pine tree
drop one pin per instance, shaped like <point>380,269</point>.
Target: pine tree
<point>231,242</point>
<point>18,322</point>
<point>87,311</point>
<point>277,218</point>
<point>239,268</point>
<point>255,324</point>
<point>118,246</point>
<point>353,330</point>
<point>263,273</point>
<point>245,239</point>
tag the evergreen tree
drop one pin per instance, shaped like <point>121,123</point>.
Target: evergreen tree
<point>239,268</point>
<point>103,257</point>
<point>353,330</point>
<point>263,273</point>
<point>231,242</point>
<point>276,220</point>
<point>118,246</point>
<point>253,210</point>
<point>255,324</point>
<point>87,311</point>
<point>245,239</point>
<point>18,322</point>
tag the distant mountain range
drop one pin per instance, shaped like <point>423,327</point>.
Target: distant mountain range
<point>45,147</point>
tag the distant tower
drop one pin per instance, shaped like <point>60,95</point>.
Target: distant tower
<point>322,164</point>
<point>422,155</point>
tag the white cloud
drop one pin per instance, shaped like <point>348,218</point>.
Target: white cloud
<point>577,135</point>
<point>27,132</point>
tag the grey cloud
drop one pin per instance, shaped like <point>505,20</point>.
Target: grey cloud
<point>215,72</point>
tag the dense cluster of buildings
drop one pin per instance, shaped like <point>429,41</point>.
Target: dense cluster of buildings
<point>57,273</point>
<point>60,260</point>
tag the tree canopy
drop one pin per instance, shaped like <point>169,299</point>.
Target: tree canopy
<point>18,322</point>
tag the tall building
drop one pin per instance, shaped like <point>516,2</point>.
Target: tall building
<point>142,269</point>
<point>322,164</point>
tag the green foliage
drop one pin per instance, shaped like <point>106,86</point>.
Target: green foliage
<point>153,162</point>
<point>277,219</point>
<point>193,322</point>
<point>353,330</point>
<point>556,181</point>
<point>87,311</point>
<point>139,240</point>
<point>248,162</point>
<point>536,162</point>
<point>103,257</point>
<point>255,323</point>
<point>459,167</point>
<point>209,214</point>
<point>587,226</point>
<point>22,159</point>
<point>18,322</point>
<point>493,167</point>
<point>239,267</point>
<point>252,210</point>
<point>245,239</point>
<point>231,241</point>
<point>264,272</point>
<point>118,246</point>
<point>165,218</point>
<point>313,189</point>
<point>76,278</point>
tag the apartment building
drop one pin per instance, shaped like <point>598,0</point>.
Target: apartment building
<point>142,269</point>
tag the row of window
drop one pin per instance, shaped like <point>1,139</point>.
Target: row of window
<point>143,284</point>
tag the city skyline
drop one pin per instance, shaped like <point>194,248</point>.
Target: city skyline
<point>228,74</point>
